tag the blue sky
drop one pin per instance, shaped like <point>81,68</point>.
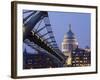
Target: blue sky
<point>80,24</point>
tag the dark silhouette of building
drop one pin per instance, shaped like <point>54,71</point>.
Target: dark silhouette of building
<point>81,57</point>
<point>38,60</point>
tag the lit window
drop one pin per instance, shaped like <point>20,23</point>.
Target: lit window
<point>73,61</point>
<point>77,64</point>
<point>77,61</point>
<point>73,52</point>
<point>80,61</point>
<point>77,57</point>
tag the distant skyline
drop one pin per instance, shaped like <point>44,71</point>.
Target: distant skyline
<point>80,24</point>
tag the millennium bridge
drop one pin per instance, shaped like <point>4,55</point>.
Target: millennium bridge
<point>40,37</point>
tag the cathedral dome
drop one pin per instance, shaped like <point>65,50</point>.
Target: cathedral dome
<point>70,34</point>
<point>69,42</point>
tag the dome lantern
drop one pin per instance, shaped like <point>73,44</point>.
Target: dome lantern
<point>70,34</point>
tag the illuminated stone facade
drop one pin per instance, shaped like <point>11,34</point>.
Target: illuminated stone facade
<point>69,43</point>
<point>75,56</point>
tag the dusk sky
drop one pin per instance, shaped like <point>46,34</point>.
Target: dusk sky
<point>80,24</point>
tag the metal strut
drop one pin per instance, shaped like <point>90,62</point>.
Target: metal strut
<point>38,38</point>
